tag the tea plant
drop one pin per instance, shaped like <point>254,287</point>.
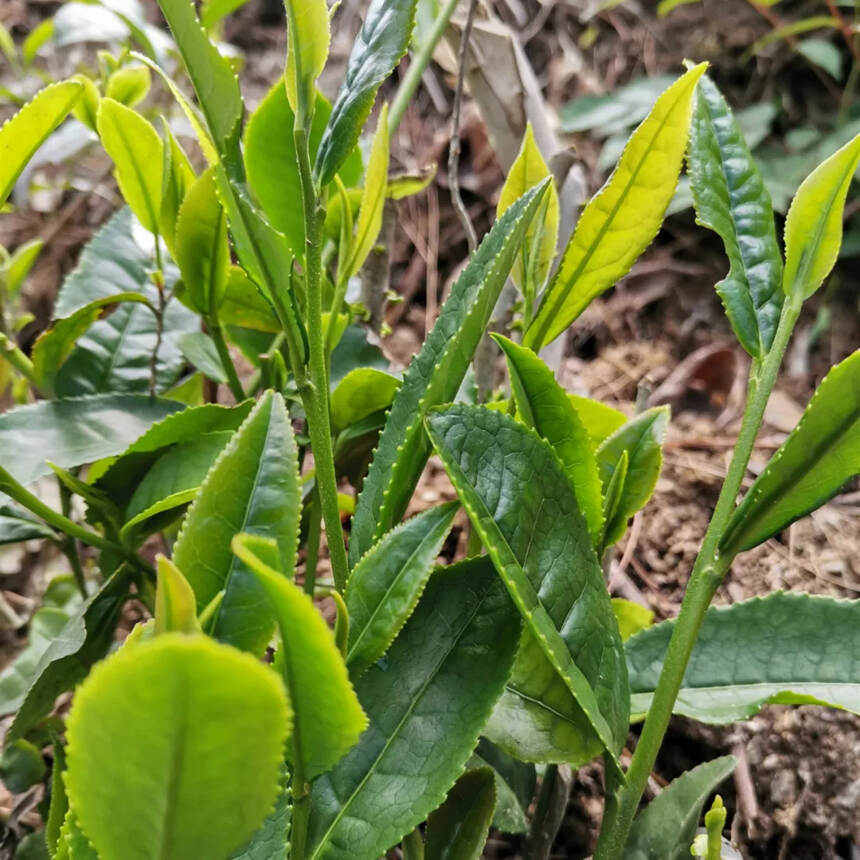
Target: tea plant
<point>429,708</point>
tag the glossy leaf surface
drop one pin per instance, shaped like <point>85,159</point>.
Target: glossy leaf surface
<point>783,649</point>
<point>360,393</point>
<point>731,199</point>
<point>458,829</point>
<point>422,729</point>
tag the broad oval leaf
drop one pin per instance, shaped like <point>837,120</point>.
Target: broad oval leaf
<point>624,216</point>
<point>382,41</point>
<point>422,729</point>
<point>731,199</point>
<point>781,649</point>
<point>819,456</point>
<point>434,376</point>
<point>666,827</point>
<point>25,132</point>
<point>385,585</point>
<point>360,393</point>
<point>523,506</point>
<point>544,404</point>
<point>328,718</point>
<point>458,829</point>
<point>252,487</point>
<point>813,226</point>
<point>205,723</point>
<point>307,48</point>
<point>138,155</point>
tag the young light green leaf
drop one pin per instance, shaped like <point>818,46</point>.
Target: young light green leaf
<point>523,506</point>
<point>129,85</point>
<point>458,829</point>
<point>813,226</point>
<point>328,717</point>
<point>175,606</point>
<point>385,585</point>
<point>631,617</point>
<point>781,649</point>
<point>422,729</point>
<point>360,393</point>
<point>202,251</point>
<point>138,155</point>
<point>666,827</point>
<point>25,132</point>
<point>624,216</point>
<point>201,727</point>
<point>731,199</point>
<point>19,264</point>
<point>156,517</point>
<point>72,843</point>
<point>252,487</point>
<point>819,456</point>
<point>382,41</point>
<point>543,404</point>
<point>434,376</point>
<point>538,249</point>
<point>73,432</point>
<point>307,49</point>
<point>642,438</point>
<point>600,421</point>
<point>178,178</point>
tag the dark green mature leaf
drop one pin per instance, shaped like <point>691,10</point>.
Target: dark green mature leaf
<point>328,716</point>
<point>252,487</point>
<point>515,786</point>
<point>665,829</point>
<point>642,438</point>
<point>422,728</point>
<point>731,199</point>
<point>205,723</point>
<point>434,376</point>
<point>72,432</point>
<point>84,639</point>
<point>783,649</point>
<point>457,830</point>
<point>814,462</point>
<point>17,524</point>
<point>271,841</point>
<point>382,41</point>
<point>544,404</point>
<point>523,506</point>
<point>385,585</point>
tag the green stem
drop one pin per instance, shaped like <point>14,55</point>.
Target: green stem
<point>419,63</point>
<point>13,354</point>
<point>708,572</point>
<point>68,546</point>
<point>217,335</point>
<point>314,391</point>
<point>314,518</point>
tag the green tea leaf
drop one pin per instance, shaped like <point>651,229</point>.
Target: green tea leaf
<point>178,178</point>
<point>523,506</point>
<point>27,130</point>
<point>819,456</point>
<point>244,305</point>
<point>138,154</point>
<point>175,606</point>
<point>385,585</point>
<point>631,617</point>
<point>642,438</point>
<point>781,649</point>
<point>624,216</point>
<point>360,393</point>
<point>73,432</point>
<point>16,525</point>
<point>666,827</point>
<point>422,729</point>
<point>129,85</point>
<point>813,226</point>
<point>73,844</point>
<point>201,727</point>
<point>434,376</point>
<point>731,199</point>
<point>382,41</point>
<point>252,487</point>
<point>19,264</point>
<point>271,841</point>
<point>458,829</point>
<point>599,420</point>
<point>307,48</point>
<point>543,404</point>
<point>328,717</point>
<point>200,351</point>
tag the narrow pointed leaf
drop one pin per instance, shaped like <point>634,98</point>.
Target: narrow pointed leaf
<point>25,132</point>
<point>252,487</point>
<point>813,226</point>
<point>782,649</point>
<point>458,829</point>
<point>175,606</point>
<point>666,827</point>
<point>422,729</point>
<point>523,506</point>
<point>819,456</point>
<point>545,405</point>
<point>434,376</point>
<point>184,710</point>
<point>328,718</point>
<point>382,41</point>
<point>624,216</point>
<point>178,176</point>
<point>16,525</point>
<point>385,585</point>
<point>307,48</point>
<point>731,199</point>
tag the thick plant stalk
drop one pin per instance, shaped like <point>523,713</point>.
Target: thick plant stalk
<point>708,573</point>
